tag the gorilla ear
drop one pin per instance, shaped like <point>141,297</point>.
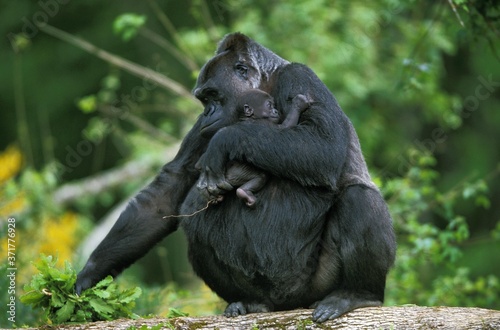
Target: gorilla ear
<point>234,41</point>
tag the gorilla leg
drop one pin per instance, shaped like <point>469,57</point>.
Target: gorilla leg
<point>246,190</point>
<point>248,178</point>
<point>142,224</point>
<point>361,226</point>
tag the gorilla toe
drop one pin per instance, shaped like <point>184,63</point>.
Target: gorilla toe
<point>340,303</point>
<point>239,308</point>
<point>235,309</point>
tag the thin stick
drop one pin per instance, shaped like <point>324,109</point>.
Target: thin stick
<point>212,201</point>
<point>452,5</point>
<point>135,69</point>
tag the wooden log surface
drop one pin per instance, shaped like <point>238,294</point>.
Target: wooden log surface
<point>397,317</point>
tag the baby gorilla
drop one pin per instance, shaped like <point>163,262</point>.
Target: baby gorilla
<point>258,106</point>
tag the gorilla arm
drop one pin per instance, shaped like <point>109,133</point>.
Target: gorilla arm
<point>312,153</point>
<point>142,224</point>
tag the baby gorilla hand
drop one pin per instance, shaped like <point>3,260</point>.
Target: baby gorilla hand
<point>301,102</point>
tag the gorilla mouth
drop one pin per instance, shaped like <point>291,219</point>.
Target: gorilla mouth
<point>208,125</point>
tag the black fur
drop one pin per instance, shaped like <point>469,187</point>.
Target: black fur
<point>321,234</point>
<point>258,106</point>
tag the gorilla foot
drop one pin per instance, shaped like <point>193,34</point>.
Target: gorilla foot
<point>247,196</point>
<point>238,308</point>
<point>336,305</point>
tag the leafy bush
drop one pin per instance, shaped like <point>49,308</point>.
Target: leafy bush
<point>53,291</point>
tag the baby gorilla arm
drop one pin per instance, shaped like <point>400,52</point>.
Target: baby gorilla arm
<point>299,104</point>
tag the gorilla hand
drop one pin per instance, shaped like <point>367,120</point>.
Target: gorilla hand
<point>212,183</point>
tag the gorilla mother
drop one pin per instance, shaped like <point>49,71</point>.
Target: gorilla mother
<point>321,235</point>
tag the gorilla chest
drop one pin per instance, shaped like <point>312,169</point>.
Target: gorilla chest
<point>275,240</point>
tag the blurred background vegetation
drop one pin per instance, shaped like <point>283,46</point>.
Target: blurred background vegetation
<point>95,98</point>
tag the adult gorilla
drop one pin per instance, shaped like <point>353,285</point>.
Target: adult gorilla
<point>320,235</point>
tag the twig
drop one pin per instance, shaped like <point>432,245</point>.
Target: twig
<point>167,24</point>
<point>165,44</point>
<point>135,69</point>
<point>139,123</point>
<point>20,106</point>
<point>452,5</point>
<point>210,202</point>
<point>205,12</point>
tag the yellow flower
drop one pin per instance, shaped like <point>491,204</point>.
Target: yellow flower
<point>10,163</point>
<point>12,206</point>
<point>58,237</point>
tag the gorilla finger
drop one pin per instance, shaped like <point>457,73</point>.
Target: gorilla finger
<point>225,185</point>
<point>323,313</point>
<point>212,187</point>
<point>213,190</point>
<point>235,309</point>
<point>202,182</point>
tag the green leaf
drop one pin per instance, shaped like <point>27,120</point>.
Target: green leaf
<point>87,104</point>
<point>105,282</point>
<point>111,82</point>
<point>101,307</point>
<point>102,293</point>
<point>130,295</point>
<point>172,312</point>
<point>128,25</point>
<point>32,297</point>
<point>57,299</point>
<point>65,312</point>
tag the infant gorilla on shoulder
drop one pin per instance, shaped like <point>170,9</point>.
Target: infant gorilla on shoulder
<point>258,106</point>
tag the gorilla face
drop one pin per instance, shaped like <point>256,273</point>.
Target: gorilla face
<point>221,82</point>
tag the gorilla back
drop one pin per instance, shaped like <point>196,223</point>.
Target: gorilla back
<point>321,234</point>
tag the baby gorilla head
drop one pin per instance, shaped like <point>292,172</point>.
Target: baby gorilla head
<point>257,104</point>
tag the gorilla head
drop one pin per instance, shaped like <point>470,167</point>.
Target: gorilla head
<point>250,65</point>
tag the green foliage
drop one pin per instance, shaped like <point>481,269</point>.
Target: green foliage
<point>424,246</point>
<point>20,43</point>
<point>173,312</point>
<point>52,290</point>
<point>128,25</point>
<point>480,16</point>
<point>87,104</point>
<point>401,71</point>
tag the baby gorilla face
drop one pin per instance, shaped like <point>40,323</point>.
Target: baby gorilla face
<point>267,109</point>
<point>258,104</point>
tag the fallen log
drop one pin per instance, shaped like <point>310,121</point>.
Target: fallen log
<point>396,317</point>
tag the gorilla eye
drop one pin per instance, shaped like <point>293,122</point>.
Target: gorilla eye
<point>242,70</point>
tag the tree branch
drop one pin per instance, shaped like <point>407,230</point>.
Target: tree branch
<point>401,317</point>
<point>135,69</point>
<point>111,178</point>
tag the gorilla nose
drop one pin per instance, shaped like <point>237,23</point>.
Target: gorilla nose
<point>205,94</point>
<point>197,93</point>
